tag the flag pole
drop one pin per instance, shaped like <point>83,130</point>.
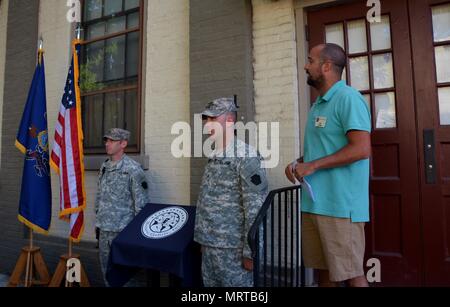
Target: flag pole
<point>62,268</point>
<point>29,270</point>
<point>78,31</point>
<point>40,50</point>
<point>70,247</point>
<point>30,261</point>
<point>29,267</point>
<point>67,284</point>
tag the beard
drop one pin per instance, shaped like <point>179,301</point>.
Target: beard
<point>316,83</point>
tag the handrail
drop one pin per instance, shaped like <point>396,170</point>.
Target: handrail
<point>283,208</point>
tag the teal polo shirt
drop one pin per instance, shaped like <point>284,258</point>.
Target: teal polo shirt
<point>341,192</point>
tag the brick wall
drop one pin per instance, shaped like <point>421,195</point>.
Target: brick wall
<point>275,81</point>
<point>3,31</point>
<point>20,60</point>
<point>220,61</point>
<point>166,97</point>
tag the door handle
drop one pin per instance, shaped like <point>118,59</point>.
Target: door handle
<point>430,156</point>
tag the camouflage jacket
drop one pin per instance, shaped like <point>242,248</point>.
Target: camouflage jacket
<point>232,192</point>
<point>121,193</point>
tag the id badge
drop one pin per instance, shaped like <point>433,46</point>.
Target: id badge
<point>321,122</point>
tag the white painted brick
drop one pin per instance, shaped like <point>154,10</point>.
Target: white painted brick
<point>264,33</point>
<point>275,74</point>
<point>167,98</point>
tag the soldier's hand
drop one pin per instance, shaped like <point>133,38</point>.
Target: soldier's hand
<point>247,263</point>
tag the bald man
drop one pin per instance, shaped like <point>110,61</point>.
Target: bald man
<point>336,164</point>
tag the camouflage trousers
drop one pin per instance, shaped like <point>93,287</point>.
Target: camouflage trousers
<point>105,241</point>
<point>222,267</point>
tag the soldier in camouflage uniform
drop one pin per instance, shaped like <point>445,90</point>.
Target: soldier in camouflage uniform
<point>233,189</point>
<point>122,192</point>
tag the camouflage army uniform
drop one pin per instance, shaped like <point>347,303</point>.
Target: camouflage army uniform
<point>233,190</point>
<point>122,192</point>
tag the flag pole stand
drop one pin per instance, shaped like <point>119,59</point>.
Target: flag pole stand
<point>32,262</point>
<point>61,271</point>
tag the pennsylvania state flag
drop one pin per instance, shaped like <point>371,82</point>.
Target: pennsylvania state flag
<point>32,140</point>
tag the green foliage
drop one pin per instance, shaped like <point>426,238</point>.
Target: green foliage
<point>88,79</point>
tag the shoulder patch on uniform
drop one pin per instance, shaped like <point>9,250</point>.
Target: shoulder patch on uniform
<point>256,179</point>
<point>254,175</point>
<point>144,185</point>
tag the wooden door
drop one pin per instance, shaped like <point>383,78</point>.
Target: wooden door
<point>430,38</point>
<point>402,66</point>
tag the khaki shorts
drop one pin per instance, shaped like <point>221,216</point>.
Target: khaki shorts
<point>333,244</point>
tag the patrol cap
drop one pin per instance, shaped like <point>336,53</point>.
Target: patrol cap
<point>219,106</point>
<point>117,134</point>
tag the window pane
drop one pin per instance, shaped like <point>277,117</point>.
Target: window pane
<point>444,105</point>
<point>131,116</point>
<point>359,73</point>
<point>112,6</point>
<point>96,30</point>
<point>114,110</point>
<point>344,74</point>
<point>367,99</point>
<point>132,54</point>
<point>133,20</point>
<point>383,72</point>
<point>116,25</point>
<point>442,63</point>
<point>131,4</point>
<point>380,33</point>
<point>91,69</point>
<point>441,22</point>
<point>115,58</point>
<point>92,123</point>
<point>335,34</point>
<point>357,38</point>
<point>385,113</point>
<point>92,9</point>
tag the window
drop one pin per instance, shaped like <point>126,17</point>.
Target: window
<point>110,74</point>
<point>441,42</point>
<point>370,66</point>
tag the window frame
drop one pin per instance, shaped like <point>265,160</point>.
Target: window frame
<point>370,53</point>
<point>124,88</point>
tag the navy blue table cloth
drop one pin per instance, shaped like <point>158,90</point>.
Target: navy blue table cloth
<point>160,238</point>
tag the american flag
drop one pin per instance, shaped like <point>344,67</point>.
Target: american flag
<point>67,154</point>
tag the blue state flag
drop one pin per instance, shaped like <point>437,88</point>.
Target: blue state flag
<point>32,140</point>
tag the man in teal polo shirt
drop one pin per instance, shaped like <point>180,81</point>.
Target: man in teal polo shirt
<point>336,165</point>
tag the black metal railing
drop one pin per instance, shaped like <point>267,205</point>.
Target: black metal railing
<point>274,239</point>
